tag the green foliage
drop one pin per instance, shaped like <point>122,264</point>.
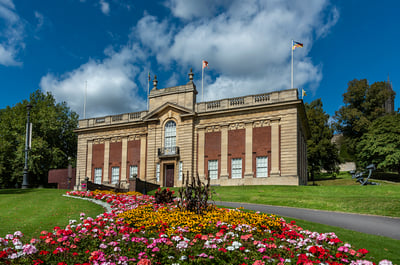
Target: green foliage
<point>363,103</point>
<point>53,139</point>
<point>321,152</point>
<point>380,145</point>
<point>164,196</point>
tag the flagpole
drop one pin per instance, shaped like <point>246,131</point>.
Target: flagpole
<point>202,81</point>
<point>84,101</point>
<point>292,67</point>
<point>148,89</point>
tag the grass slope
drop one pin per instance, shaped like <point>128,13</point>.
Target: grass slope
<point>34,210</point>
<point>378,200</point>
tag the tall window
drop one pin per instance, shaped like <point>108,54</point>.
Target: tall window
<point>114,175</point>
<point>236,168</point>
<point>180,170</point>
<point>213,169</point>
<point>97,175</point>
<point>133,171</point>
<point>158,172</point>
<point>170,137</point>
<point>262,166</point>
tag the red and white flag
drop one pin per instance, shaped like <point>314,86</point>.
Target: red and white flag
<point>205,64</point>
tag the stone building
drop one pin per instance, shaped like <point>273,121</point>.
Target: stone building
<point>250,140</point>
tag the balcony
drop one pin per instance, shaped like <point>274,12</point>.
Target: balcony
<point>168,151</point>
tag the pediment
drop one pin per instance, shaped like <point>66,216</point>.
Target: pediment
<point>155,114</point>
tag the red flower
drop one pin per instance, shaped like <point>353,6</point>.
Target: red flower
<point>363,251</point>
<point>222,249</point>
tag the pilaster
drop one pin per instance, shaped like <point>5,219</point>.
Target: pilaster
<point>124,159</point>
<point>275,148</point>
<point>249,150</point>
<point>143,156</point>
<point>106,178</point>
<point>89,158</point>
<point>201,132</point>
<point>224,151</point>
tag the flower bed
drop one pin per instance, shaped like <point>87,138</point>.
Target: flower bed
<point>138,231</point>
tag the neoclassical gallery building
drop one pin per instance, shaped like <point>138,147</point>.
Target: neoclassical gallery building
<point>250,140</point>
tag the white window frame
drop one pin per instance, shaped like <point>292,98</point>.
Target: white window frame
<point>170,135</point>
<point>114,175</point>
<point>133,170</point>
<point>180,170</point>
<point>98,172</point>
<point>262,166</point>
<point>236,168</point>
<point>158,172</point>
<point>213,169</point>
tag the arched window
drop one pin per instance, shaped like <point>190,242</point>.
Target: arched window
<point>170,136</point>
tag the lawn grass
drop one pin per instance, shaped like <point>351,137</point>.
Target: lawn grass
<point>377,200</point>
<point>34,210</point>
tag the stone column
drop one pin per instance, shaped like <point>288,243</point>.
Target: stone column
<point>224,151</point>
<point>124,158</point>
<point>201,132</point>
<point>143,155</point>
<point>106,177</point>
<point>275,145</point>
<point>249,150</point>
<point>89,160</point>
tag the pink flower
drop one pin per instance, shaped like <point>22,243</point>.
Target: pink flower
<point>259,262</point>
<point>29,249</point>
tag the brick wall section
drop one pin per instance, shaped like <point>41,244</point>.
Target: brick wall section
<point>60,176</point>
<point>261,146</point>
<point>115,158</point>
<point>212,150</point>
<point>98,159</point>
<point>133,156</point>
<point>236,148</point>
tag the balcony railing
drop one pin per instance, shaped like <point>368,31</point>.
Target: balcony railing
<point>168,151</point>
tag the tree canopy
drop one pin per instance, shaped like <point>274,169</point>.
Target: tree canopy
<point>53,139</point>
<point>363,103</point>
<point>321,152</point>
<point>381,144</point>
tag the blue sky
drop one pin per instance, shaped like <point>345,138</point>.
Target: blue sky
<point>111,45</point>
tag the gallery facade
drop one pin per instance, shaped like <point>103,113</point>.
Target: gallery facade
<point>250,140</point>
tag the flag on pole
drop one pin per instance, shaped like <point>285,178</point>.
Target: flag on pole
<point>204,65</point>
<point>296,44</point>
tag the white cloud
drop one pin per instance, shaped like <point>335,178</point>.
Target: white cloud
<point>110,84</point>
<point>105,7</point>
<point>40,19</point>
<point>11,35</point>
<point>247,44</point>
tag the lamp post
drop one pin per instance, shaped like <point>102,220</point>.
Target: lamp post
<point>25,181</point>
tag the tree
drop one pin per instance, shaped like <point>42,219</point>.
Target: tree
<point>321,152</point>
<point>381,144</point>
<point>362,105</point>
<point>53,139</point>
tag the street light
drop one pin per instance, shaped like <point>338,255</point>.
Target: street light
<point>25,181</point>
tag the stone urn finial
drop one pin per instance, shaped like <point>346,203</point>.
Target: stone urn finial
<point>155,82</point>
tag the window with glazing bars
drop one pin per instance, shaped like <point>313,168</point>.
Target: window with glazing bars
<point>114,175</point>
<point>213,169</point>
<point>262,166</point>
<point>97,175</point>
<point>236,168</point>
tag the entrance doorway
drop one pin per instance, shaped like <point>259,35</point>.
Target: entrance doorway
<point>169,175</point>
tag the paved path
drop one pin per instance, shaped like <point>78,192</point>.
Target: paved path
<point>370,224</point>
